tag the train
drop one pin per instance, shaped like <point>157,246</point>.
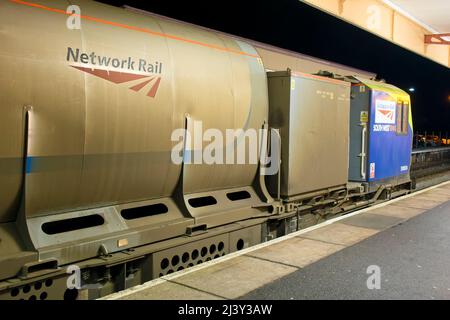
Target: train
<point>91,201</point>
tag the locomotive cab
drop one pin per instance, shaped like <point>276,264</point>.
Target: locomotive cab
<point>381,134</point>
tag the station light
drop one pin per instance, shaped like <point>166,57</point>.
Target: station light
<point>411,89</point>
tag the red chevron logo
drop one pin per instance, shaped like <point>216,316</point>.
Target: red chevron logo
<point>387,113</point>
<point>151,82</point>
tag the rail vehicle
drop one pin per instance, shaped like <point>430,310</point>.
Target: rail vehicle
<point>89,193</point>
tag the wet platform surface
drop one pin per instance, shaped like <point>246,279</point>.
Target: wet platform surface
<point>408,239</point>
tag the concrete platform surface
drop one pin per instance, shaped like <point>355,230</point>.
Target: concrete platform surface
<point>407,239</point>
<point>413,260</point>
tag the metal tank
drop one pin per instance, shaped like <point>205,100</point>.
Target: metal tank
<point>312,113</point>
<point>87,118</point>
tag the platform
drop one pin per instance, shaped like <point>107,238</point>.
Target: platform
<point>407,238</point>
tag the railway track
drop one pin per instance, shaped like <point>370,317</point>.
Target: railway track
<point>430,166</point>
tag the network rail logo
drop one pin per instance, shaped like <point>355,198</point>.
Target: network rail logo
<point>127,70</point>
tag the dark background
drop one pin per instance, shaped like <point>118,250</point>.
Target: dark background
<point>294,25</point>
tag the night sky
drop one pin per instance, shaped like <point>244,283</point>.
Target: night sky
<point>293,25</point>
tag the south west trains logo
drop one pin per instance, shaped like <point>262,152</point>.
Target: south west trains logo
<point>97,65</point>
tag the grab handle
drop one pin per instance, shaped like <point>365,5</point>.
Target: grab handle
<point>363,155</point>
